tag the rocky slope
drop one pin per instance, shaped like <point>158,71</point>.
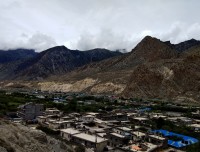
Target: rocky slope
<point>15,55</point>
<point>19,138</point>
<point>153,69</point>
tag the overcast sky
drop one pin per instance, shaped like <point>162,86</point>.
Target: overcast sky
<point>87,24</point>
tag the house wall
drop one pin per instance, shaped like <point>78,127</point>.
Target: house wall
<point>66,136</point>
<point>99,146</point>
<point>31,111</point>
<point>115,141</point>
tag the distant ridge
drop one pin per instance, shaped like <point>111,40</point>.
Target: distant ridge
<point>53,61</point>
<point>153,69</point>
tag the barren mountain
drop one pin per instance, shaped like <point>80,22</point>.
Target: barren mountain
<point>153,69</point>
<point>14,55</point>
<point>54,61</point>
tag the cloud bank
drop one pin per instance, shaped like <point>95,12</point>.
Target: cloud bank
<point>88,24</point>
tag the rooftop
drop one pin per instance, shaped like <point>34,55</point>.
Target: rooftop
<point>140,118</point>
<point>70,131</point>
<point>125,128</point>
<point>157,137</point>
<point>138,133</point>
<point>90,138</point>
<point>117,135</point>
<point>195,125</point>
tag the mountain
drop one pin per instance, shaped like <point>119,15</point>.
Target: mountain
<point>181,47</point>
<point>153,69</point>
<point>14,55</point>
<point>54,61</point>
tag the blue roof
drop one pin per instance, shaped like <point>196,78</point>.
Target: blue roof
<point>186,140</point>
<point>144,109</point>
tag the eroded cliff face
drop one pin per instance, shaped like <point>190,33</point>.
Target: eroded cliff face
<point>19,138</point>
<point>87,85</point>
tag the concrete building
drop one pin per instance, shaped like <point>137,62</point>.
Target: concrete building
<point>138,136</point>
<point>68,133</point>
<point>90,141</point>
<point>87,118</point>
<point>30,111</point>
<point>116,139</point>
<point>56,125</point>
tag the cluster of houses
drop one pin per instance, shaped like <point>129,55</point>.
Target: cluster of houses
<point>115,131</point>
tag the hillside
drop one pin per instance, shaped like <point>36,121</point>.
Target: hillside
<point>19,138</point>
<point>54,61</point>
<point>153,69</point>
<point>14,55</point>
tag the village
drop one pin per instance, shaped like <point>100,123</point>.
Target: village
<point>137,128</point>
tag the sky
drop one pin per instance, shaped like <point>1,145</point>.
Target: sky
<point>88,24</point>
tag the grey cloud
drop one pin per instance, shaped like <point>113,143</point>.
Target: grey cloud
<point>38,41</point>
<point>113,24</point>
<point>179,32</point>
<point>105,38</point>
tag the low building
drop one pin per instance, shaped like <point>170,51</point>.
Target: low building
<point>195,127</point>
<point>113,116</point>
<point>138,136</point>
<point>52,111</point>
<point>30,111</point>
<point>56,125</point>
<point>87,118</point>
<point>116,139</point>
<point>125,131</point>
<point>90,141</point>
<point>41,119</point>
<point>68,133</point>
<point>158,140</point>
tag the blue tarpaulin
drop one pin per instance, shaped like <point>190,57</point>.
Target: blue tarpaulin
<point>144,109</point>
<point>186,140</point>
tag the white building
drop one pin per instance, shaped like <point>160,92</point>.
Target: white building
<point>67,133</point>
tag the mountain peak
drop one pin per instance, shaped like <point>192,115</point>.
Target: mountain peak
<point>148,41</point>
<point>151,48</point>
<point>150,38</point>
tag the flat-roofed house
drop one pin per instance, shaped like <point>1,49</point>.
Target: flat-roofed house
<point>87,118</point>
<point>195,127</point>
<point>138,135</point>
<point>158,140</point>
<point>68,133</point>
<point>90,141</point>
<point>52,111</point>
<point>56,125</point>
<point>41,119</point>
<point>125,131</point>
<point>116,139</point>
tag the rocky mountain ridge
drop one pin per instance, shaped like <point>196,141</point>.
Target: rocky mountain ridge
<point>54,61</point>
<point>153,69</point>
